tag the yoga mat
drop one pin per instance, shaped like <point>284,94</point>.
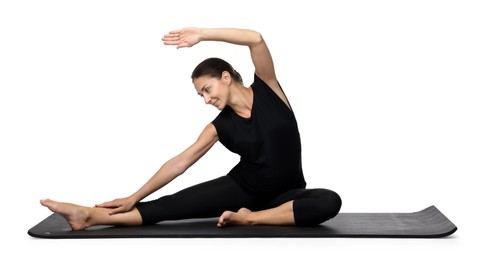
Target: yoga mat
<point>427,223</point>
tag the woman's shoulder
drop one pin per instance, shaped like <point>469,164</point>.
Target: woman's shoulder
<point>272,89</point>
<point>259,82</point>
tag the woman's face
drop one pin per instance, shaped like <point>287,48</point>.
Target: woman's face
<point>213,90</point>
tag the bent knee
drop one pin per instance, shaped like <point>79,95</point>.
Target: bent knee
<point>313,211</point>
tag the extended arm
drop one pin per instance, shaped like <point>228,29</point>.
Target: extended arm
<point>260,54</point>
<point>168,172</point>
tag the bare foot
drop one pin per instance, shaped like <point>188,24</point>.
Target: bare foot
<point>235,218</point>
<point>76,215</point>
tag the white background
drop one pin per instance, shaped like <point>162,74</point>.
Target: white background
<point>387,95</point>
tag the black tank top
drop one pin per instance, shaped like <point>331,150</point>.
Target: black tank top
<point>268,143</point>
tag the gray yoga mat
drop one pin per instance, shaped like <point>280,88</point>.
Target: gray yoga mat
<point>427,223</point>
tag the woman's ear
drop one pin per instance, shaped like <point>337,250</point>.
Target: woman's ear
<point>226,77</point>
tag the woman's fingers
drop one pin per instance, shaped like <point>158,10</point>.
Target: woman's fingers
<point>111,204</point>
<point>186,37</point>
<point>117,210</point>
<point>170,39</point>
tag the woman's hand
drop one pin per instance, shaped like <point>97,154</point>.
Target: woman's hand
<point>186,37</point>
<point>119,205</point>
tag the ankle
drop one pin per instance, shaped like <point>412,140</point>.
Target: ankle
<point>251,219</point>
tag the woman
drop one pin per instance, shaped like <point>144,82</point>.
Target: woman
<point>266,187</point>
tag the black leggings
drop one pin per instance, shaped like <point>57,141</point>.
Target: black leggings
<point>212,198</point>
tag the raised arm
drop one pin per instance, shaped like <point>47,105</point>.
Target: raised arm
<point>168,172</point>
<point>260,54</point>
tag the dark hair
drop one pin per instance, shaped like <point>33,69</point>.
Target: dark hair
<point>215,67</point>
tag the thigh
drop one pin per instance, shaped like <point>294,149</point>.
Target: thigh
<point>208,199</point>
<point>297,194</point>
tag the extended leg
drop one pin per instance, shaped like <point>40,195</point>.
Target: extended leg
<point>208,199</point>
<point>80,217</point>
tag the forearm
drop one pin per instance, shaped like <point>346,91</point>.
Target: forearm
<point>168,172</point>
<point>231,35</point>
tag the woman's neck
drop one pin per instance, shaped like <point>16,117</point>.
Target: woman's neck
<point>241,100</point>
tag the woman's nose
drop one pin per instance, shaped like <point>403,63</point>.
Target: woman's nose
<point>206,99</point>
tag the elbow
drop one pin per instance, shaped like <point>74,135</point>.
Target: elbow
<point>177,167</point>
<point>257,38</point>
<point>180,169</point>
<point>251,38</point>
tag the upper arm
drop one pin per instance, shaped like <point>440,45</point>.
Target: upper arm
<point>204,142</point>
<point>264,66</point>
